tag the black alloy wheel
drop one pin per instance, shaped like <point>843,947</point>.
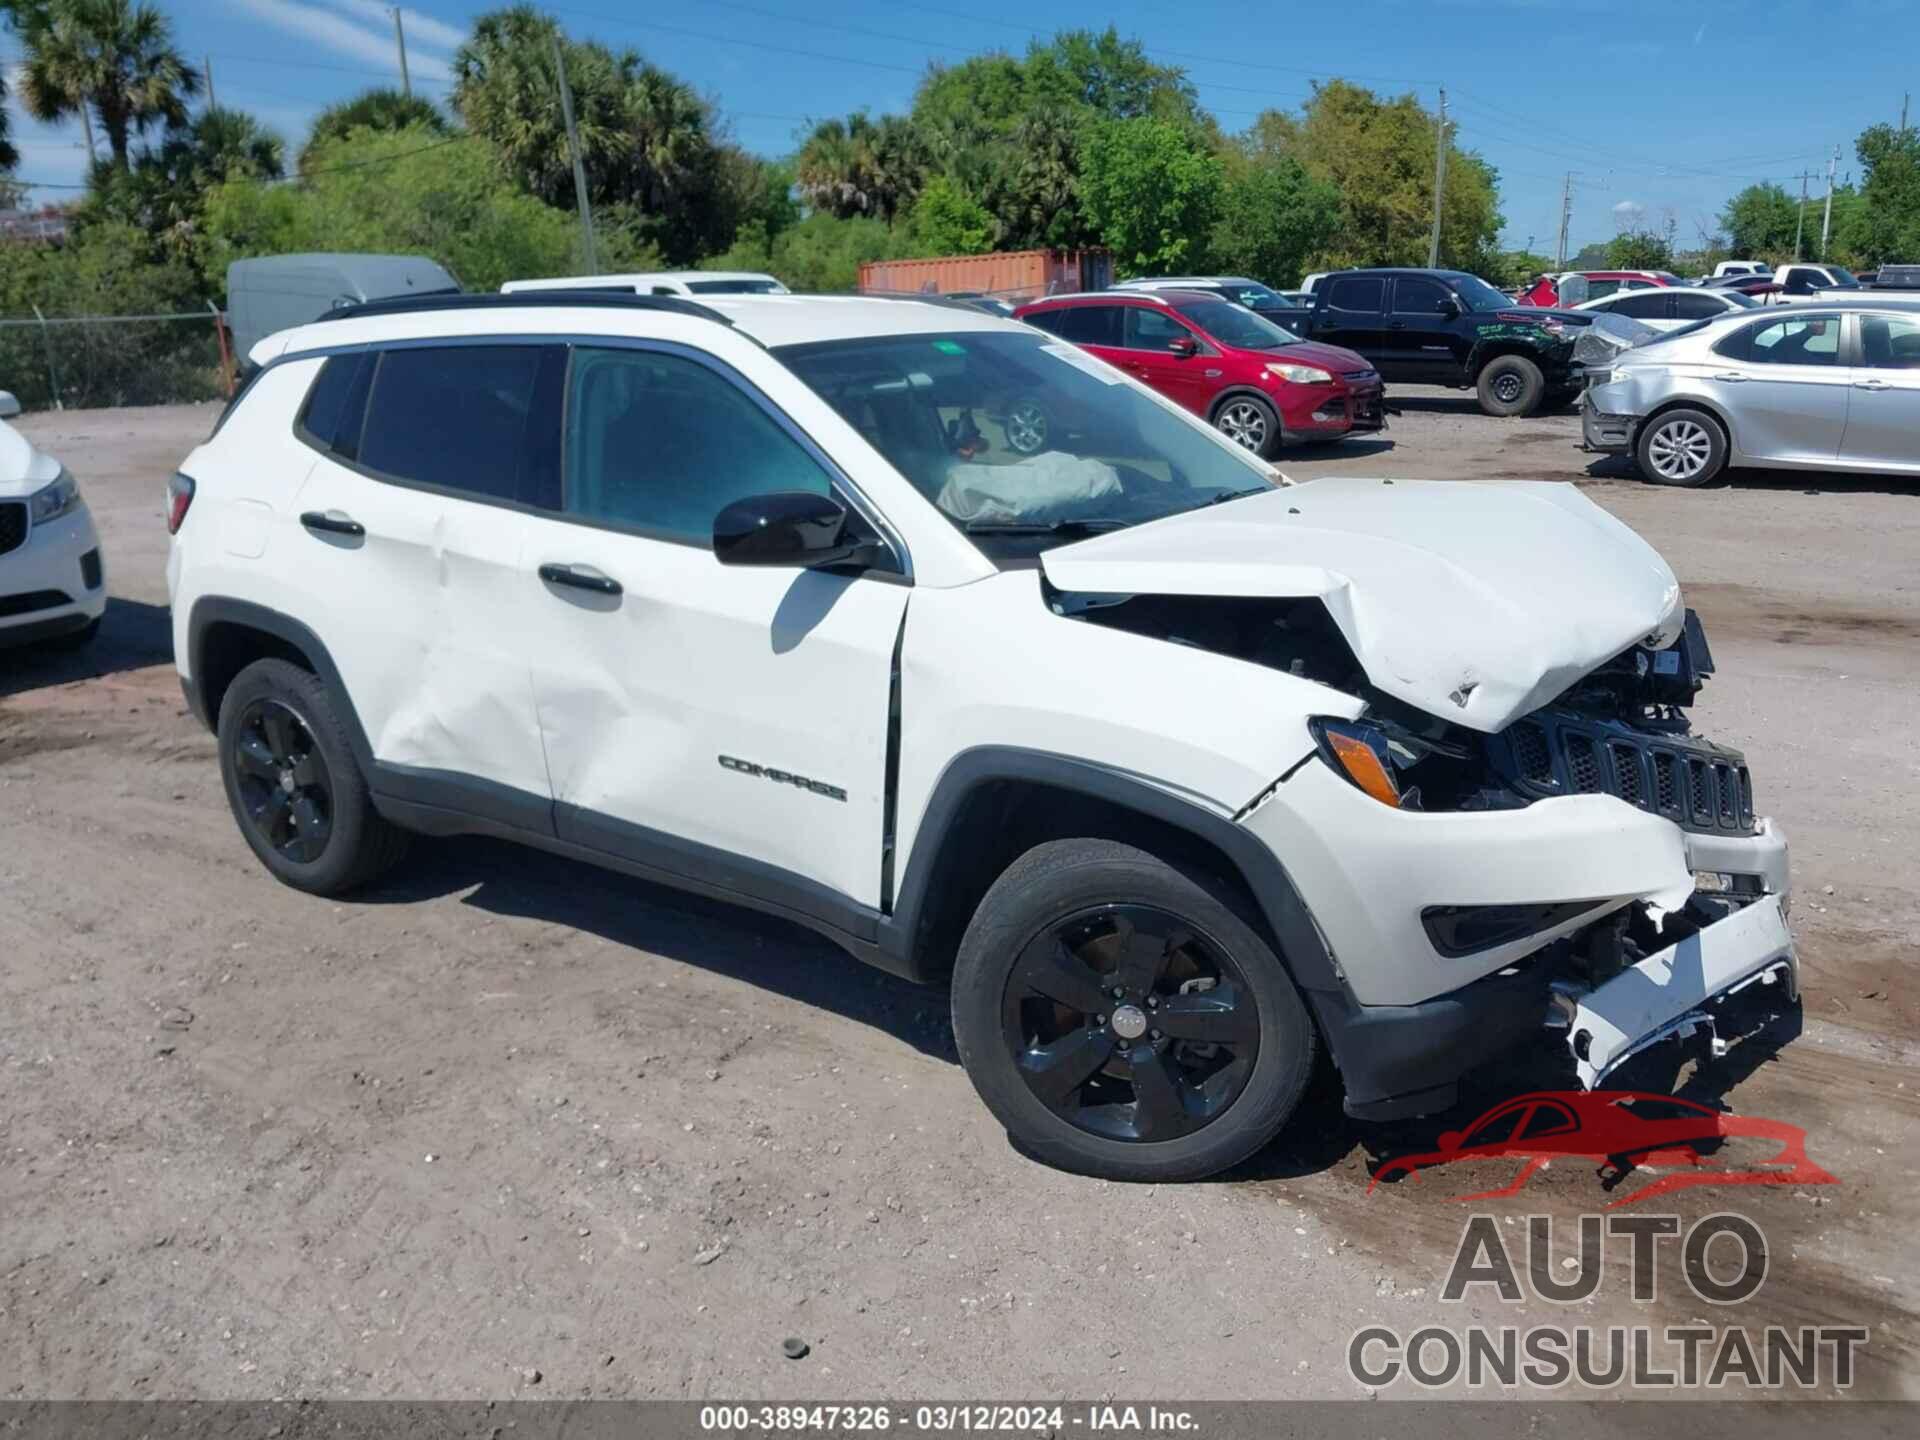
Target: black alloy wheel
<point>285,788</point>
<point>1130,1023</point>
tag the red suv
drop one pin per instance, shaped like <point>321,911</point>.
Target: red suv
<point>1254,381</point>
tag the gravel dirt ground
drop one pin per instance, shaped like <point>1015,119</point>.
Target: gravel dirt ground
<point>507,1127</point>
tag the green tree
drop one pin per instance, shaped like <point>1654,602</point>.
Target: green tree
<point>1759,223</point>
<point>382,108</point>
<point>1887,227</point>
<point>1273,218</point>
<point>1511,269</point>
<point>948,221</point>
<point>9,157</point>
<point>164,193</point>
<point>1151,192</point>
<point>861,166</point>
<point>1379,154</point>
<point>113,58</point>
<point>1639,250</point>
<point>408,192</point>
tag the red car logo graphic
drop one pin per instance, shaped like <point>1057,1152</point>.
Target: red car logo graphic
<point>1621,1129</point>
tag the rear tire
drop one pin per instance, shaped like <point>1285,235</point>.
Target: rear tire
<point>294,786</point>
<point>1682,447</point>
<point>1194,1066</point>
<point>1510,385</point>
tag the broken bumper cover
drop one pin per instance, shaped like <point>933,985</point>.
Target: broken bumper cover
<point>1667,994</point>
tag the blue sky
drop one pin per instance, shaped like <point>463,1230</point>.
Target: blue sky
<point>1658,106</point>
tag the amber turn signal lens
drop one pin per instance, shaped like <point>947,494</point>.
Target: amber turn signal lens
<point>1363,766</point>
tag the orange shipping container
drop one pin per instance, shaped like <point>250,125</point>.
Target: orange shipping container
<point>1013,275</point>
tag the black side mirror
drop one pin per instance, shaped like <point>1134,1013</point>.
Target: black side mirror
<point>788,527</point>
<point>1450,307</point>
<point>1185,347</point>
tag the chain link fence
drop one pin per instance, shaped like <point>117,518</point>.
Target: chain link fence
<point>78,362</point>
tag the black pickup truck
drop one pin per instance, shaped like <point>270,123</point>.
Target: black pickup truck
<point>1446,327</point>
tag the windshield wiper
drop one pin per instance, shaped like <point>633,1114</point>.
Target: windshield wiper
<point>1226,495</point>
<point>1044,527</point>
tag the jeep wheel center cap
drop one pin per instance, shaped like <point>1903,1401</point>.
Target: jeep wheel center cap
<point>1129,1022</point>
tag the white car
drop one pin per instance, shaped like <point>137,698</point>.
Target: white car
<point>53,585</point>
<point>684,283</point>
<point>1741,267</point>
<point>1669,307</point>
<point>1172,770</point>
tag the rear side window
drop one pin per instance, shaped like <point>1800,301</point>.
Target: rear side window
<point>1786,342</point>
<point>664,444</point>
<point>1357,292</point>
<point>1641,305</point>
<point>1697,306</point>
<point>337,405</point>
<point>1082,324</point>
<point>476,420</point>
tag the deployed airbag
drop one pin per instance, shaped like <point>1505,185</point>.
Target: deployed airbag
<point>1029,490</point>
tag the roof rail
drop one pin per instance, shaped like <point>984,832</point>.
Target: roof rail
<point>948,302</point>
<point>526,299</point>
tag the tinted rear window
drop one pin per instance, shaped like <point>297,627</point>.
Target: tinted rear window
<point>1356,292</point>
<point>1082,324</point>
<point>481,420</point>
<point>337,403</point>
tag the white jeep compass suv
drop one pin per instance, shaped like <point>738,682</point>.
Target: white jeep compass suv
<point>1175,770</point>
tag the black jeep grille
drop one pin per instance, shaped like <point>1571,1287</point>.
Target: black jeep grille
<point>1693,782</point>
<point>13,526</point>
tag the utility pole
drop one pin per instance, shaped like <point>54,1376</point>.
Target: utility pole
<point>86,126</point>
<point>1826,220</point>
<point>1566,214</point>
<point>579,170</point>
<point>1904,98</point>
<point>1800,220</point>
<point>1439,182</point>
<point>400,38</point>
<point>206,67</point>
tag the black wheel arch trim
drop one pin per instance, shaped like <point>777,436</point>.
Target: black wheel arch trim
<point>1239,392</point>
<point>1302,949</point>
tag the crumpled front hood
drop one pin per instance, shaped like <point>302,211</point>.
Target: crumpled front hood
<point>23,469</point>
<point>1474,602</point>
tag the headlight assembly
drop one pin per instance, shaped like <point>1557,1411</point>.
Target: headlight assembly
<point>50,502</point>
<point>1301,374</point>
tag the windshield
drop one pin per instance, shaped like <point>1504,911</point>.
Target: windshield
<point>735,287</point>
<point>1237,327</point>
<point>1478,295</point>
<point>1255,297</point>
<point>1739,301</point>
<point>1021,440</point>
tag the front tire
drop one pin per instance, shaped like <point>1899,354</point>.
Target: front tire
<point>1121,1019</point>
<point>1682,447</point>
<point>1510,385</point>
<point>1250,422</point>
<point>294,786</point>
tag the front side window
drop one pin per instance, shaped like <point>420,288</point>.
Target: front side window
<point>1154,329</point>
<point>1021,439</point>
<point>1415,296</point>
<point>473,419</point>
<point>1890,342</point>
<point>1479,296</point>
<point>663,444</point>
<point>1787,342</point>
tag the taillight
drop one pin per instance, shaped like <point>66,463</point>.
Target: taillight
<point>179,497</point>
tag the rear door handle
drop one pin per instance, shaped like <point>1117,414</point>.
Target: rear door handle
<point>1396,325</point>
<point>1732,377</point>
<point>333,522</point>
<point>1871,385</point>
<point>580,577</point>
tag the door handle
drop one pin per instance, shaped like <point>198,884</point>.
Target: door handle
<point>1732,377</point>
<point>1871,385</point>
<point>580,577</point>
<point>333,522</point>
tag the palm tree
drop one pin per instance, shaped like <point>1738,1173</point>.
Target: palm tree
<point>377,109</point>
<point>9,157</point>
<point>113,59</point>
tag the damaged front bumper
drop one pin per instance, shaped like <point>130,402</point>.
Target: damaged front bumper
<point>1617,944</point>
<point>1671,994</point>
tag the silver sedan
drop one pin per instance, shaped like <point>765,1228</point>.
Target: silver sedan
<point>1832,386</point>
